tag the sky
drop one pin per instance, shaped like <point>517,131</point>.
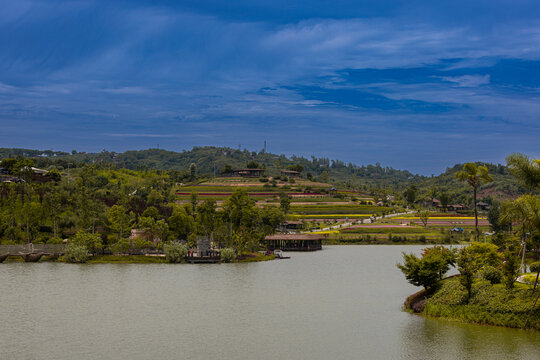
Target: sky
<point>418,85</point>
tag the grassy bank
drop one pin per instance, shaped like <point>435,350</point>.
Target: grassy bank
<point>141,259</point>
<point>489,304</point>
<point>254,257</point>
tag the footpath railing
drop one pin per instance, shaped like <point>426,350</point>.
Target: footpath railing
<point>32,248</point>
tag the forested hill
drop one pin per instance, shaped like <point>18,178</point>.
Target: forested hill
<point>209,160</point>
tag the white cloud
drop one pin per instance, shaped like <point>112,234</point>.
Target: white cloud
<point>468,80</point>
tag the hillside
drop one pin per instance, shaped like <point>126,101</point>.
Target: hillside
<point>211,160</point>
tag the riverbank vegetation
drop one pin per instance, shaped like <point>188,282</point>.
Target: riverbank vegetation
<point>486,291</point>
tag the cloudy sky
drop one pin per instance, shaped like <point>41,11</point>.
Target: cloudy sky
<point>415,84</point>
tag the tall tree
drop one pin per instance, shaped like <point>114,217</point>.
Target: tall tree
<point>474,175</point>
<point>181,223</point>
<point>119,221</point>
<point>526,211</point>
<point>525,169</point>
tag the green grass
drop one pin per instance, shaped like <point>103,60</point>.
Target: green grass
<point>122,259</point>
<point>489,304</point>
<point>255,257</point>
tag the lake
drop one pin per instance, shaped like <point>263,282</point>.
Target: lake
<point>340,303</point>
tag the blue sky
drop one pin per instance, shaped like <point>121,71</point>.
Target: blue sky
<point>418,85</point>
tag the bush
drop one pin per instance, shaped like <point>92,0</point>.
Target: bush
<point>122,246</point>
<point>451,293</point>
<point>76,253</point>
<point>228,255</point>
<point>92,242</point>
<point>491,274</point>
<point>535,267</point>
<point>55,240</point>
<point>175,252</point>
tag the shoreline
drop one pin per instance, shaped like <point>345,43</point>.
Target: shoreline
<point>136,259</point>
<point>494,306</point>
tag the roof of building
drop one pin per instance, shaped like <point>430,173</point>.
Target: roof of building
<point>308,237</point>
<point>289,172</point>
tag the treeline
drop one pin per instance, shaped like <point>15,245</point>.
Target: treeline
<point>111,202</point>
<point>205,162</point>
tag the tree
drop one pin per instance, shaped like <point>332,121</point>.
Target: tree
<point>425,271</point>
<point>444,198</point>
<point>253,165</point>
<point>155,198</point>
<point>473,258</point>
<point>295,167</point>
<point>467,271</point>
<point>151,212</point>
<point>227,169</point>
<point>474,175</point>
<point>192,170</point>
<point>410,194</point>
<point>284,202</point>
<point>510,269</point>
<point>91,242</point>
<point>238,208</point>
<point>119,221</point>
<point>480,255</point>
<point>193,199</point>
<point>448,255</point>
<point>526,170</point>
<point>424,217</point>
<point>207,217</point>
<point>31,214</point>
<point>526,211</point>
<point>54,205</point>
<point>495,219</point>
<point>181,223</point>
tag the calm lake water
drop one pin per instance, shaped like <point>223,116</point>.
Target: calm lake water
<point>339,303</point>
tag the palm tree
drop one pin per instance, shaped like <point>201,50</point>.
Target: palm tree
<point>474,175</point>
<point>526,211</point>
<point>525,169</point>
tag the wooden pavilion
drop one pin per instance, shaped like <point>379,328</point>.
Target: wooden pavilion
<point>290,173</point>
<point>248,172</point>
<point>294,242</point>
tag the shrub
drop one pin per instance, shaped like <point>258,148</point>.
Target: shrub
<point>228,255</point>
<point>451,293</point>
<point>175,252</point>
<point>76,253</point>
<point>122,246</point>
<point>55,240</point>
<point>491,274</point>
<point>92,242</point>
<point>535,266</point>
